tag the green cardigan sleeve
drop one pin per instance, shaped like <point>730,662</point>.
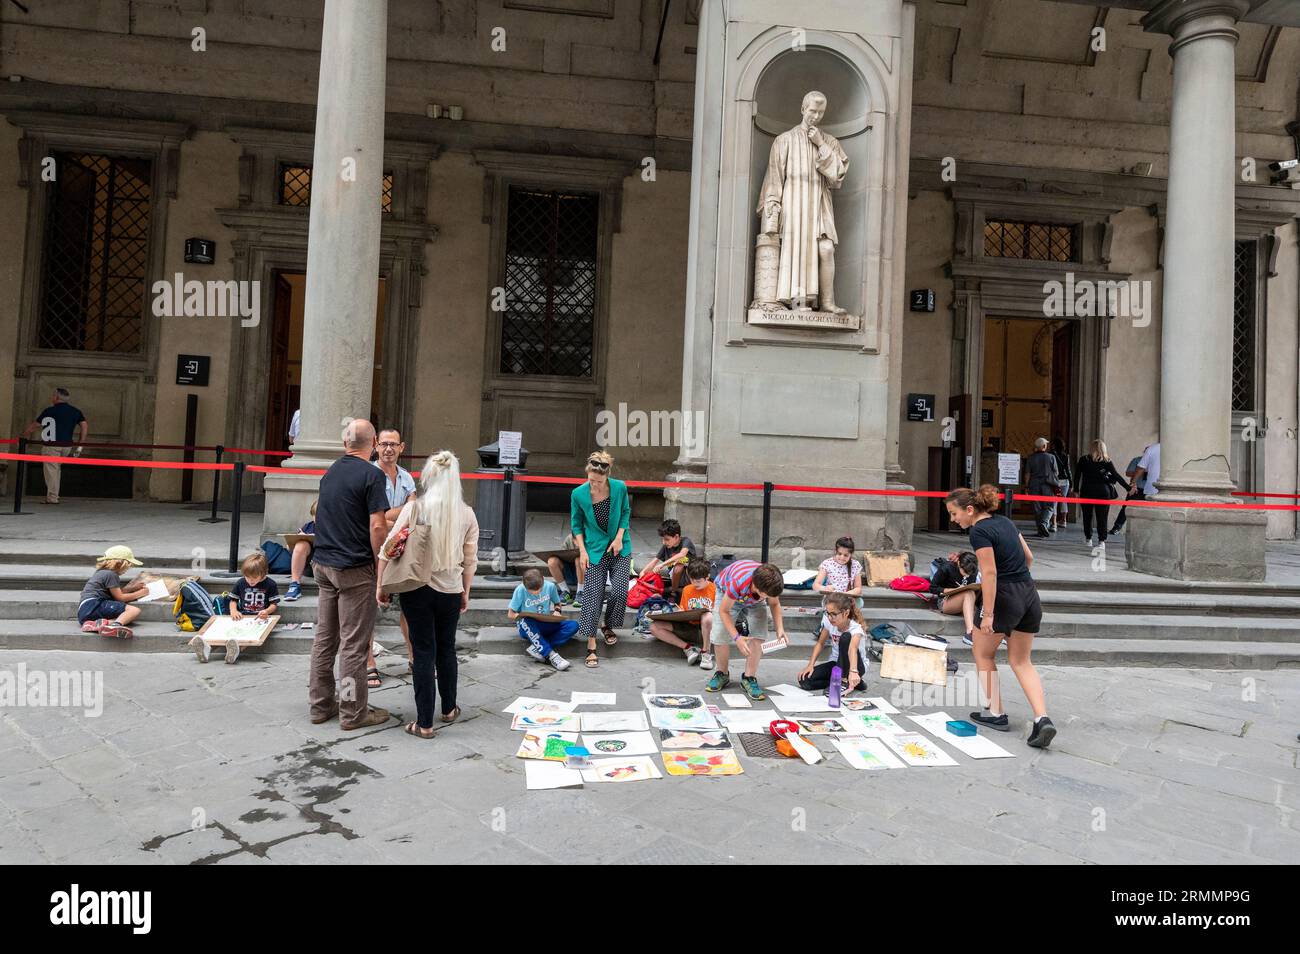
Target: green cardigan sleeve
<point>582,519</point>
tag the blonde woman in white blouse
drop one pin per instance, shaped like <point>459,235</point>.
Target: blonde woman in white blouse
<point>433,610</point>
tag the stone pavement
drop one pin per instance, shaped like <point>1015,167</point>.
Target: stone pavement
<point>191,764</point>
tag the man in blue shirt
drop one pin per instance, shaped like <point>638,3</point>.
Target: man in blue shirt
<point>66,427</point>
<point>399,486</point>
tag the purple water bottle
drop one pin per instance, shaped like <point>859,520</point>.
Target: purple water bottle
<point>836,675</point>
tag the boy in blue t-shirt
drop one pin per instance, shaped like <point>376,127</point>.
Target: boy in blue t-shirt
<point>543,598</point>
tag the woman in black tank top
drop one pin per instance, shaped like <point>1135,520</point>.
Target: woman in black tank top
<point>1011,609</point>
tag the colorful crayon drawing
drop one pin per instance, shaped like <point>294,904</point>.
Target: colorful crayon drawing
<point>876,723</point>
<point>916,749</point>
<point>675,702</point>
<point>549,745</point>
<point>549,719</point>
<point>610,746</point>
<point>863,753</point>
<point>857,705</point>
<point>823,726</point>
<point>699,718</point>
<point>689,739</point>
<point>702,762</point>
<point>633,769</point>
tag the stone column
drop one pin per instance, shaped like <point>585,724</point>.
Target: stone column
<point>1196,334</point>
<point>342,247</point>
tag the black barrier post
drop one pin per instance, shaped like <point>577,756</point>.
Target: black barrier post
<point>508,483</point>
<point>216,492</point>
<point>236,504</point>
<point>767,516</point>
<point>20,480</point>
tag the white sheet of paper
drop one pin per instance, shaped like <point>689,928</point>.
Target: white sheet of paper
<point>593,698</point>
<point>817,703</point>
<point>853,751</point>
<point>785,689</point>
<point>915,748</point>
<point>925,642</point>
<point>883,705</point>
<point>542,774</point>
<point>642,768</point>
<point>737,700</point>
<point>157,590</point>
<point>976,746</point>
<point>864,704</point>
<point>614,722</point>
<point>873,723</point>
<point>619,744</point>
<point>775,645</point>
<point>545,720</point>
<point>755,720</point>
<point>683,719</point>
<point>530,703</point>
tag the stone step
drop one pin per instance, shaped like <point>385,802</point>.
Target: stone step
<point>1186,653</point>
<point>38,599</point>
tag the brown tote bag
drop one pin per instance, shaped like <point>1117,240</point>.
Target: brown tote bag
<point>411,570</point>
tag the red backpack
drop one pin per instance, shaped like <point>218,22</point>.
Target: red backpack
<point>644,587</point>
<point>910,584</point>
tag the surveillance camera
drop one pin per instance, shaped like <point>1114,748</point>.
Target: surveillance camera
<point>1284,164</point>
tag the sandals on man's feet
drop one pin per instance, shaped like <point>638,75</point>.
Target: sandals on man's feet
<point>611,637</point>
<point>373,679</point>
<point>413,728</point>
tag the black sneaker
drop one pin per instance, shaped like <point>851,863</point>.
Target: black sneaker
<point>1043,734</point>
<point>991,721</point>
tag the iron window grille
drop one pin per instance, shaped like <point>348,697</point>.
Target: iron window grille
<point>1244,322</point>
<point>1034,241</point>
<point>548,325</point>
<point>295,187</point>
<point>95,254</point>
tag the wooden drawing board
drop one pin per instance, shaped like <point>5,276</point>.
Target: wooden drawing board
<point>292,539</point>
<point>217,630</point>
<point>679,616</point>
<point>542,617</point>
<point>568,556</point>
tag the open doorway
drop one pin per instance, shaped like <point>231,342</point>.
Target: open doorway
<point>285,383</point>
<point>1028,388</point>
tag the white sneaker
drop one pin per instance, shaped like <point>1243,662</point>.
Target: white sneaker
<point>692,655</point>
<point>201,648</point>
<point>535,654</point>
<point>232,651</point>
<point>706,660</point>
<point>558,661</point>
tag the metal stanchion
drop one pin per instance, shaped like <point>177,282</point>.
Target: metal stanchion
<point>767,516</point>
<point>237,493</point>
<point>508,483</point>
<point>216,492</point>
<point>20,480</point>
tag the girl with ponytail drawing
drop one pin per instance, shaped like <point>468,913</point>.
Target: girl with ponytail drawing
<point>842,627</point>
<point>1010,607</point>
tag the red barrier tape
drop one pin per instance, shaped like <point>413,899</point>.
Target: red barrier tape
<point>116,462</point>
<point>788,488</point>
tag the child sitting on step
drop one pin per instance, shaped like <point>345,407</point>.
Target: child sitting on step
<point>534,595</point>
<point>103,608</point>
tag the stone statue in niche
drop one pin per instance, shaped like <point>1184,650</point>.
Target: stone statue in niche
<point>794,257</point>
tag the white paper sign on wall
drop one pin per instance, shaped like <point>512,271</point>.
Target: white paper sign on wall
<point>1008,469</point>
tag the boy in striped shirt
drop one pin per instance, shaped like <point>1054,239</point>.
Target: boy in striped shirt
<point>746,589</point>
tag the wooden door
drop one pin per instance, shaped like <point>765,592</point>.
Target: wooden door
<point>279,409</point>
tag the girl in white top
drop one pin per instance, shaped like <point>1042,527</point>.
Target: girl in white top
<point>842,626</point>
<point>840,573</point>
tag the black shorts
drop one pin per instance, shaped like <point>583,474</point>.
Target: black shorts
<point>1017,609</point>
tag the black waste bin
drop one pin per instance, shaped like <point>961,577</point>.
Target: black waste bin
<point>490,497</point>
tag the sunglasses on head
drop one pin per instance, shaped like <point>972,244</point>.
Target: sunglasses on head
<point>598,465</point>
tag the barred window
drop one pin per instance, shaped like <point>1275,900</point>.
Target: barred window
<point>295,187</point>
<point>96,247</point>
<point>1036,241</point>
<point>548,326</point>
<point>1244,326</point>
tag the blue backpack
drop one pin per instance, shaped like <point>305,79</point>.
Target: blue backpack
<point>194,606</point>
<point>278,559</point>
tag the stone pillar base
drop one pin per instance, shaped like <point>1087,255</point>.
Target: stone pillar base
<point>288,502</point>
<point>1192,544</point>
<point>804,526</point>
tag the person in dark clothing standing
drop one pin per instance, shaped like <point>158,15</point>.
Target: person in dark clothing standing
<point>63,429</point>
<point>1134,493</point>
<point>1011,608</point>
<point>350,529</point>
<point>1097,479</point>
<point>1041,475</point>
<point>1063,473</point>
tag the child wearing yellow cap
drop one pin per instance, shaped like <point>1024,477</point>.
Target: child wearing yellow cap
<point>103,608</point>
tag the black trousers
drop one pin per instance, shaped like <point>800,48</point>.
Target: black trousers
<point>1123,513</point>
<point>820,677</point>
<point>1102,514</point>
<point>431,619</point>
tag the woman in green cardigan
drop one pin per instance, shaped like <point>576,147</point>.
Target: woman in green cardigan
<point>601,515</point>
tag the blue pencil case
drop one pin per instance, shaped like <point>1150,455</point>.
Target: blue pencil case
<point>960,727</point>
